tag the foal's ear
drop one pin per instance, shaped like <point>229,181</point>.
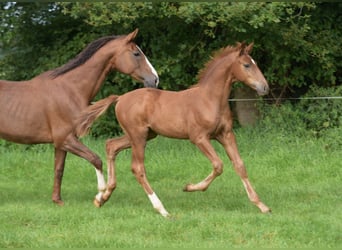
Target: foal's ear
<point>249,48</point>
<point>130,37</point>
<point>242,48</point>
<point>245,49</point>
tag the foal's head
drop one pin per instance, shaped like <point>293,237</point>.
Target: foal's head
<point>131,60</point>
<point>246,70</point>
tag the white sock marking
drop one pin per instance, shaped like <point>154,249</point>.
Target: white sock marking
<point>157,204</point>
<point>101,183</point>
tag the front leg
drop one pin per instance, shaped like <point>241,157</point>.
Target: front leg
<point>207,149</point>
<point>229,143</point>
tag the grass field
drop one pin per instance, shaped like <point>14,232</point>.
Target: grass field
<point>299,178</point>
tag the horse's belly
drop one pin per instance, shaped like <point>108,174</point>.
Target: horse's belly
<point>26,132</point>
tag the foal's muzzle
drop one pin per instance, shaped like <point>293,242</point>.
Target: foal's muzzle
<point>262,89</point>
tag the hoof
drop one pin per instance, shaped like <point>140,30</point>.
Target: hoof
<point>269,212</point>
<point>187,188</point>
<point>58,202</point>
<point>263,208</point>
<point>97,203</point>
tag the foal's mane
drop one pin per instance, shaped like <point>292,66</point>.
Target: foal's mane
<point>216,56</point>
<point>82,57</point>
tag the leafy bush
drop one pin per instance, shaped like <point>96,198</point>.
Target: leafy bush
<point>282,120</point>
<point>296,44</point>
<point>320,115</point>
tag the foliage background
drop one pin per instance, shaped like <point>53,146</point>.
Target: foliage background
<point>297,44</point>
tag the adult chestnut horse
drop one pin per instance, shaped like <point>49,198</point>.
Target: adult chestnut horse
<point>43,109</point>
<point>200,113</point>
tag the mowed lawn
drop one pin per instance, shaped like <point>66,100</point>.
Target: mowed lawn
<point>299,178</point>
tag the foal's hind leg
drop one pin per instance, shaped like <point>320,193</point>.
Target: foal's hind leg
<point>229,143</point>
<point>207,149</point>
<point>113,148</point>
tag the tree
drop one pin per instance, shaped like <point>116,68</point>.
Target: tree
<point>297,44</point>
<point>291,39</point>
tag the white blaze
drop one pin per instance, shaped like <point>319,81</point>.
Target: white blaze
<point>154,72</point>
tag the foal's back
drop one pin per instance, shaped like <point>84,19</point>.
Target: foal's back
<point>167,113</point>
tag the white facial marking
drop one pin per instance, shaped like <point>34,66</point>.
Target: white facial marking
<point>154,72</point>
<point>252,60</point>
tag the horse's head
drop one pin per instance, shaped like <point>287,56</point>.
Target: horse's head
<point>132,61</point>
<point>246,70</point>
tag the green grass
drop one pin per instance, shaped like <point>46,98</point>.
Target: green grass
<point>297,177</point>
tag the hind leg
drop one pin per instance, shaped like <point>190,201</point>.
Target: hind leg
<point>73,145</point>
<point>113,148</point>
<point>60,156</point>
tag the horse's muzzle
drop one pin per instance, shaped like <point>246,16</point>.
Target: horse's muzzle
<point>151,82</point>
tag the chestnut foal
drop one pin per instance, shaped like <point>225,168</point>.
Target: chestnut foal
<point>200,113</point>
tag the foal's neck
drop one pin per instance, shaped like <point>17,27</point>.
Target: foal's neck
<point>218,82</point>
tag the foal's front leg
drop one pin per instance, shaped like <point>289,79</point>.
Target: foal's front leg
<point>207,149</point>
<point>138,169</point>
<point>229,143</point>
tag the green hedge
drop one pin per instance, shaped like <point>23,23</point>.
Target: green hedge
<point>297,44</point>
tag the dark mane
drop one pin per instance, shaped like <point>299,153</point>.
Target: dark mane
<point>82,57</point>
<point>214,59</point>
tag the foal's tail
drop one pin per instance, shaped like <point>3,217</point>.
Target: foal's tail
<point>91,113</point>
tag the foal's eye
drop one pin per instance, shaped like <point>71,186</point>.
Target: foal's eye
<point>247,65</point>
<point>136,53</point>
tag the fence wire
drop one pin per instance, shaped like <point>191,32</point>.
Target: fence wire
<point>284,99</point>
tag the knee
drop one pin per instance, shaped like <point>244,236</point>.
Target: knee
<point>218,167</point>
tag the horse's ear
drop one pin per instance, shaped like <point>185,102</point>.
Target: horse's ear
<point>130,37</point>
<point>242,48</point>
<point>249,48</point>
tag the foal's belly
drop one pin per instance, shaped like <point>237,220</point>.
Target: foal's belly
<point>171,130</point>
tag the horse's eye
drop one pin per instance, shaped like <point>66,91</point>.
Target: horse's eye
<point>247,65</point>
<point>136,53</point>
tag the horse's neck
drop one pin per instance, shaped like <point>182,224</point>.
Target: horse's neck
<point>88,78</point>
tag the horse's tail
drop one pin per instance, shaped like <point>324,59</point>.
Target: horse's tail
<point>91,113</point>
